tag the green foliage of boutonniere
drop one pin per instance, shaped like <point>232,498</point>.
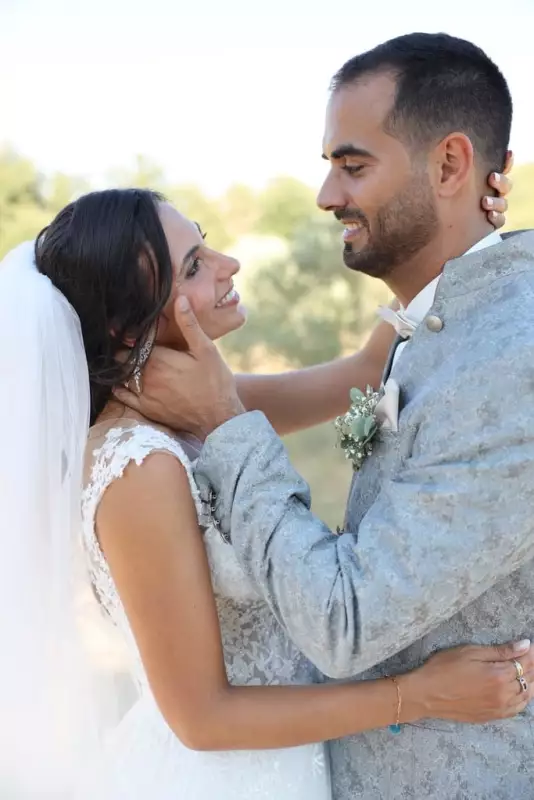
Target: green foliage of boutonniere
<point>356,428</point>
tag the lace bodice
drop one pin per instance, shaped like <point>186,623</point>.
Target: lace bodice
<point>257,650</point>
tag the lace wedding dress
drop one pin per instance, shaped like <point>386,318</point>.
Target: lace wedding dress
<point>143,758</point>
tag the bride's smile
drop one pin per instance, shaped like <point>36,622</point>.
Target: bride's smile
<point>204,276</point>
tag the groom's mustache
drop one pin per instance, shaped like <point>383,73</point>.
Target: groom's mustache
<point>351,215</point>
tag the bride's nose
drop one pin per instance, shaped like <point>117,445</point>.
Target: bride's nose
<point>228,266</point>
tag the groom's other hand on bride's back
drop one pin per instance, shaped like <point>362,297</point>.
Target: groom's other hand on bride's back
<point>193,390</point>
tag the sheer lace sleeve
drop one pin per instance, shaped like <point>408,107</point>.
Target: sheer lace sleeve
<point>107,463</point>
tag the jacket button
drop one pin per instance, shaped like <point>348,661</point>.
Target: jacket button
<point>434,324</point>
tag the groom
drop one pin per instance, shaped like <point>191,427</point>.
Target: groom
<point>438,544</point>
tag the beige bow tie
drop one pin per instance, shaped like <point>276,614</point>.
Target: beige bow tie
<point>402,324</point>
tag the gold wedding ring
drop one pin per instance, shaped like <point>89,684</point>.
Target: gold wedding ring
<point>519,671</point>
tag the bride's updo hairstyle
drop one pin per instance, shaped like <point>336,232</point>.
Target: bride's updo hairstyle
<point>108,254</point>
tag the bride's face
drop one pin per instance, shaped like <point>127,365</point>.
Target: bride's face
<point>204,276</point>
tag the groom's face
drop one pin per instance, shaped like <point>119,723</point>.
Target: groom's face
<point>376,187</point>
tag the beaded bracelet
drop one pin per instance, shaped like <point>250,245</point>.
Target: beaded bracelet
<point>396,728</point>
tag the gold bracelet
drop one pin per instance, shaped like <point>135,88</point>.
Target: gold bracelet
<point>397,726</point>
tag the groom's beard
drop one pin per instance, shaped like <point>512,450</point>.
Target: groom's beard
<point>402,228</point>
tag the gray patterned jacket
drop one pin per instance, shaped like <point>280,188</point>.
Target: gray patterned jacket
<point>440,532</point>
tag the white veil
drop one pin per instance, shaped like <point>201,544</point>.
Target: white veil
<point>49,703</point>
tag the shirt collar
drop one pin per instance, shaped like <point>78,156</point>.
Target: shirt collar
<point>419,307</point>
<point>492,238</point>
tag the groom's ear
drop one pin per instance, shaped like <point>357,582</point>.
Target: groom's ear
<point>454,162</point>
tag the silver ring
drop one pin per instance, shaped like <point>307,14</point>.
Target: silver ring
<point>519,671</point>
<point>523,684</point>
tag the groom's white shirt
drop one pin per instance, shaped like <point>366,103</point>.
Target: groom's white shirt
<point>419,307</point>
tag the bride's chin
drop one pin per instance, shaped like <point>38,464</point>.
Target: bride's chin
<point>234,323</point>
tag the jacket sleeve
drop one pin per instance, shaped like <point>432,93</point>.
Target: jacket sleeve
<point>456,519</point>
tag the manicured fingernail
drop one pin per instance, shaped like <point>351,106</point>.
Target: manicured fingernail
<point>496,177</point>
<point>489,202</point>
<point>519,647</point>
<point>183,303</point>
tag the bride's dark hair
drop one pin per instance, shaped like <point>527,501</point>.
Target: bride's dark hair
<point>108,254</point>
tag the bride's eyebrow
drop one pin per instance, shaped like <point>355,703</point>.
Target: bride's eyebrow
<point>200,230</point>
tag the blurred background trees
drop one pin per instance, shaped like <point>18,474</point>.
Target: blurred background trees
<point>304,306</point>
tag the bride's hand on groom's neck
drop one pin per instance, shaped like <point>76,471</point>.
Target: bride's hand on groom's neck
<point>497,206</point>
<point>192,391</point>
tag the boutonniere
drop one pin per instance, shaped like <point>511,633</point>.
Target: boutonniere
<point>369,411</point>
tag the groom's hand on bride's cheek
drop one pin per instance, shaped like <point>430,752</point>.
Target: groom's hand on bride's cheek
<point>496,207</point>
<point>191,391</point>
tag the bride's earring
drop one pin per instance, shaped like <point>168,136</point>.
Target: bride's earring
<point>144,354</point>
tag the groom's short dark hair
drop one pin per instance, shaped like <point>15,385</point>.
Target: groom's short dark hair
<point>443,84</point>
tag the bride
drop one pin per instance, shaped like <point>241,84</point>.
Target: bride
<point>224,706</point>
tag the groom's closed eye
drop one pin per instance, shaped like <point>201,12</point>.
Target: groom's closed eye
<point>353,170</point>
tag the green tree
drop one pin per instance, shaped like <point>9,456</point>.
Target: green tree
<point>62,189</point>
<point>143,174</point>
<point>191,202</point>
<point>23,209</point>
<point>188,199</point>
<point>28,200</point>
<point>286,205</point>
<point>240,211</point>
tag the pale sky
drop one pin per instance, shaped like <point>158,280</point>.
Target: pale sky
<point>218,91</point>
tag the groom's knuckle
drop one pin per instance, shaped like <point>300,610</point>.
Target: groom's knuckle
<point>190,324</point>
